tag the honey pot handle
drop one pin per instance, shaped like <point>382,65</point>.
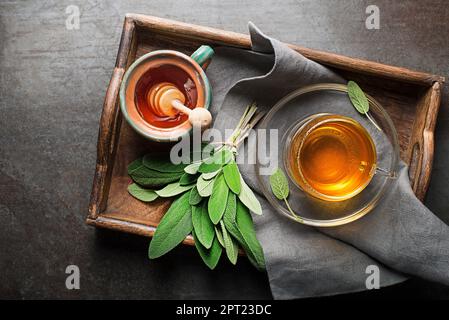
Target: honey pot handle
<point>202,56</point>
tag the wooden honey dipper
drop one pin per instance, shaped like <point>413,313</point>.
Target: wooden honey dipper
<point>167,100</point>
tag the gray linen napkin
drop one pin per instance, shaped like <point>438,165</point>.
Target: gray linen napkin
<point>401,234</point>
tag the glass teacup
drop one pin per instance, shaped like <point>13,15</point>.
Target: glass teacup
<point>331,157</point>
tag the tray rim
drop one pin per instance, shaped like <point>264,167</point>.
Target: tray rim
<point>110,117</point>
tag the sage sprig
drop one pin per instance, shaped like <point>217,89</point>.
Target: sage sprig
<point>212,201</point>
<point>360,101</point>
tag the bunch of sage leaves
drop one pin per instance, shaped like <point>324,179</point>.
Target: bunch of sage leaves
<point>212,201</point>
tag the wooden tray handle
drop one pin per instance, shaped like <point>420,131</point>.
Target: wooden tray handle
<point>422,142</point>
<point>107,137</point>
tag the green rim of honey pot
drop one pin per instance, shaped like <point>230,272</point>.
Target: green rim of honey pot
<point>193,66</point>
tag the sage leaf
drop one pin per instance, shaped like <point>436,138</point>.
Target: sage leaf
<point>205,186</point>
<point>279,184</point>
<point>251,253</point>
<point>232,228</point>
<point>219,236</point>
<point>187,179</point>
<point>151,178</point>
<point>172,190</point>
<point>195,197</point>
<point>232,249</point>
<point>173,228</point>
<point>248,198</point>
<point>259,262</point>
<point>229,220</point>
<point>209,256</point>
<point>135,165</point>
<point>231,225</point>
<point>142,194</point>
<point>218,199</point>
<point>251,245</point>
<point>192,168</point>
<point>204,229</point>
<point>210,175</point>
<point>360,102</point>
<point>231,207</point>
<point>232,177</point>
<point>217,161</point>
<point>358,97</point>
<point>209,167</point>
<point>279,187</point>
<point>161,162</point>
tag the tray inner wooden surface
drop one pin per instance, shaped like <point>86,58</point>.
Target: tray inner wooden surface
<point>399,99</point>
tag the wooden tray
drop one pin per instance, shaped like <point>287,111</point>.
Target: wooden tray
<point>411,98</point>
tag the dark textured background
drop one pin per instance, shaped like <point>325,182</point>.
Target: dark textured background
<point>52,85</point>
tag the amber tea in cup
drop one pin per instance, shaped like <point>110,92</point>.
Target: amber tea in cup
<point>331,157</point>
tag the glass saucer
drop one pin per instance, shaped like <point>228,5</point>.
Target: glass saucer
<point>285,117</point>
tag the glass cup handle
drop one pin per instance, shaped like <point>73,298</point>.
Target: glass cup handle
<point>386,173</point>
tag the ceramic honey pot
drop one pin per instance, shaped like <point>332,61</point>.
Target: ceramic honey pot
<point>165,92</point>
